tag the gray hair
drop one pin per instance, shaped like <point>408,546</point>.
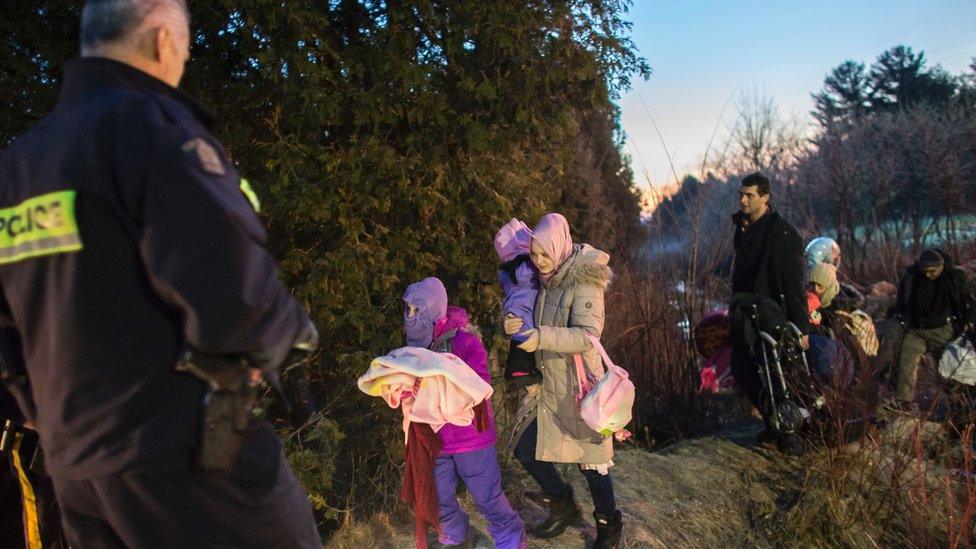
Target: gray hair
<point>106,21</point>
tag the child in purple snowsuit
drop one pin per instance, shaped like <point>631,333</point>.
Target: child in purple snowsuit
<point>520,284</point>
<point>466,452</point>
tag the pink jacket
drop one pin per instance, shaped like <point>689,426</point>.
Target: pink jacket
<point>467,346</point>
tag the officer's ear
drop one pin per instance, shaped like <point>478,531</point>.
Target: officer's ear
<point>170,52</point>
<point>158,39</point>
<point>164,43</point>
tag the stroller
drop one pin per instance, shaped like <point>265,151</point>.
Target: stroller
<point>793,397</point>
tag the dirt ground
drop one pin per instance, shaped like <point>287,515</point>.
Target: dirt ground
<point>705,492</point>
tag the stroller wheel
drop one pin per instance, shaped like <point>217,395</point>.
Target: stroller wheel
<point>791,444</point>
<point>790,417</point>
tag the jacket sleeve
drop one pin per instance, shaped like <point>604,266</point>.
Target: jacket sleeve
<point>793,279</point>
<point>586,317</point>
<point>902,306</point>
<point>965,307</point>
<point>469,348</point>
<point>203,248</point>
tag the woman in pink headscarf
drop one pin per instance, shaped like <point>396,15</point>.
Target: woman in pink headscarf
<point>568,309</point>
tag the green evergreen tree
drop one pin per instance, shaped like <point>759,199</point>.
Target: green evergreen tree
<point>388,141</point>
<point>845,96</point>
<point>899,79</point>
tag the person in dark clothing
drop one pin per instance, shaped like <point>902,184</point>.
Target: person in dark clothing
<point>130,243</point>
<point>935,304</point>
<point>768,263</point>
<point>768,252</point>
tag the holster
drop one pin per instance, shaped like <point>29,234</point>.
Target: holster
<point>10,430</point>
<point>228,406</point>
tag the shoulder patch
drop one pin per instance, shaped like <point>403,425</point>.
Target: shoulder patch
<point>206,154</point>
<point>39,226</point>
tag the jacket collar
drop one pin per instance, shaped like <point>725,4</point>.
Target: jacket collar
<point>85,75</point>
<point>585,265</point>
<point>739,218</point>
<point>455,319</point>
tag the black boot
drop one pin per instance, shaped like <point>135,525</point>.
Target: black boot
<point>608,529</point>
<point>563,511</point>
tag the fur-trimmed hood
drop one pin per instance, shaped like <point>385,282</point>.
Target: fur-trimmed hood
<point>586,265</point>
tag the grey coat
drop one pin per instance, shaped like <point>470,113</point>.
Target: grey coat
<point>568,309</point>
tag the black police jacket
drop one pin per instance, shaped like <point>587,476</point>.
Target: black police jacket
<point>126,235</point>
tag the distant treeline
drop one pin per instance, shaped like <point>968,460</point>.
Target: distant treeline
<point>388,142</point>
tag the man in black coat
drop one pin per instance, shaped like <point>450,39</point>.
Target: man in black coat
<point>935,303</point>
<point>768,263</point>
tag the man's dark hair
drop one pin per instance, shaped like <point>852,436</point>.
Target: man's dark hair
<point>930,259</point>
<point>105,21</point>
<point>758,180</point>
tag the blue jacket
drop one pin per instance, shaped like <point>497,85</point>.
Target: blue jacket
<point>520,284</point>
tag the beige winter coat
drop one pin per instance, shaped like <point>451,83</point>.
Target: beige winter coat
<point>566,310</point>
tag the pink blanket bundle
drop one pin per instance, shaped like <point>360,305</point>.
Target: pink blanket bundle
<point>432,388</point>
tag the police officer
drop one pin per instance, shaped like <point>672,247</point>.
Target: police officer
<point>126,240</point>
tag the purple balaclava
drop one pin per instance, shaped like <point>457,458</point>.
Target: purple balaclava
<point>430,298</point>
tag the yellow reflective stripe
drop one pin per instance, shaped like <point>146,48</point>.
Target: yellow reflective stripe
<point>32,528</point>
<point>38,226</point>
<point>252,196</point>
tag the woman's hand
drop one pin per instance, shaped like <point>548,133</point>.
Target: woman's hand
<point>531,341</point>
<point>512,324</point>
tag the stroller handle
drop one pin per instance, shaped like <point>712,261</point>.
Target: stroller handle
<point>769,339</point>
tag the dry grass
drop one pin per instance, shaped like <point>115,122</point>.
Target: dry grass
<point>707,492</point>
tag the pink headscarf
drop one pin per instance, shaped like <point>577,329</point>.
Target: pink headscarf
<point>552,233</point>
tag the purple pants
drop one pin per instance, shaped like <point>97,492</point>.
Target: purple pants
<point>480,472</point>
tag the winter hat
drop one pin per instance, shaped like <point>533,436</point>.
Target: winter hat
<point>512,240</point>
<point>825,275</point>
<point>430,298</point>
<point>552,233</point>
<point>930,259</point>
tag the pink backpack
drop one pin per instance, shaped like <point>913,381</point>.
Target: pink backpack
<point>606,406</point>
<point>716,373</point>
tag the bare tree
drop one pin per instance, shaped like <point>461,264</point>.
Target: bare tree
<point>760,139</point>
